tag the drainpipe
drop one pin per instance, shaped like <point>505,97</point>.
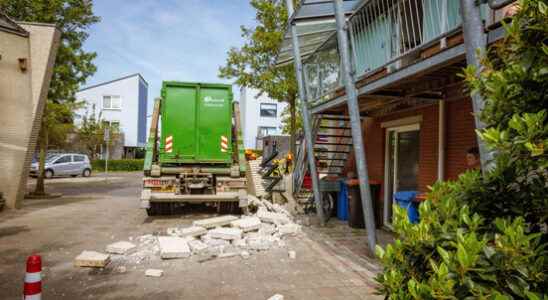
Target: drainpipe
<point>306,117</point>
<point>475,39</point>
<point>354,113</point>
<point>441,140</point>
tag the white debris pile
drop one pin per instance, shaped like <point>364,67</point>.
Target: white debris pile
<point>218,237</point>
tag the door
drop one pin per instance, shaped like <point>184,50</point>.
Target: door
<point>63,165</point>
<point>78,162</point>
<point>401,164</point>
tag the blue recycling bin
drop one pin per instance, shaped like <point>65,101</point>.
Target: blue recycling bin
<point>342,202</point>
<point>405,200</point>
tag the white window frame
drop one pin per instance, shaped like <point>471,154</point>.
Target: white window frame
<point>388,201</point>
<point>111,108</point>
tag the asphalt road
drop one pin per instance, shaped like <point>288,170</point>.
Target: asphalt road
<point>94,213</point>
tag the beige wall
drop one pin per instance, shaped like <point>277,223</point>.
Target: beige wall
<point>22,98</point>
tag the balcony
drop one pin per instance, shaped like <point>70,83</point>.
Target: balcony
<point>385,37</point>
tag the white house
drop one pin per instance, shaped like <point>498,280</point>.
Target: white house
<point>261,116</point>
<point>121,102</point>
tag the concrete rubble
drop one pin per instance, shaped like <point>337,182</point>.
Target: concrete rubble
<point>173,247</point>
<point>215,222</point>
<point>121,247</point>
<point>154,273</point>
<point>207,239</point>
<point>225,233</point>
<point>92,259</point>
<point>247,224</point>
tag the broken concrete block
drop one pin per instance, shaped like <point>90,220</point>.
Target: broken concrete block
<point>245,254</point>
<point>173,247</point>
<point>259,242</point>
<point>226,233</point>
<point>215,222</point>
<point>192,231</point>
<point>292,254</point>
<point>227,254</point>
<point>211,242</point>
<point>247,224</point>
<point>172,231</point>
<point>240,243</point>
<point>92,259</point>
<point>154,273</point>
<point>277,297</point>
<point>197,246</point>
<point>288,229</point>
<point>121,247</point>
<point>267,229</point>
<point>270,217</point>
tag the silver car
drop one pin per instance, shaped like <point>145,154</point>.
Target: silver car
<point>65,164</point>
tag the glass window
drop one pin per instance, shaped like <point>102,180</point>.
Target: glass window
<point>112,102</point>
<point>269,110</point>
<point>79,158</point>
<point>64,159</point>
<point>264,131</point>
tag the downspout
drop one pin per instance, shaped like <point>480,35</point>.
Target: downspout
<point>354,113</point>
<point>441,140</point>
<point>306,116</point>
<point>475,40</point>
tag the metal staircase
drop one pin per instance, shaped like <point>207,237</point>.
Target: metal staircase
<point>332,146</point>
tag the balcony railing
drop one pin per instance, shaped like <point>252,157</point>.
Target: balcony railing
<point>385,32</point>
<point>322,71</point>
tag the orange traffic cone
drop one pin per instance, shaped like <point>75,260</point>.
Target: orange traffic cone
<point>33,279</point>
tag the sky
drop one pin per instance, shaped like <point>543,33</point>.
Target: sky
<point>182,40</point>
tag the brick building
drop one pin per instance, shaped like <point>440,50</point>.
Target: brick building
<point>417,118</point>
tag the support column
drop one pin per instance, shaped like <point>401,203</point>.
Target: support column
<point>441,140</point>
<point>475,39</point>
<point>354,113</point>
<point>306,117</point>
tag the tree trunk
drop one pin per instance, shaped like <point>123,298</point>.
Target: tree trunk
<point>44,140</point>
<point>293,126</point>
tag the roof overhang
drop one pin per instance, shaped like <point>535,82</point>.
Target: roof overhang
<point>315,23</point>
<point>8,25</point>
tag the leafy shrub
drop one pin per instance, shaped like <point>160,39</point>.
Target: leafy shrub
<point>485,236</point>
<point>118,165</point>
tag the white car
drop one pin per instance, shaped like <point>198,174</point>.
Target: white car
<point>64,164</point>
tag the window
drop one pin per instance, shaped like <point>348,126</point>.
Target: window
<point>264,131</point>
<point>269,110</point>
<point>112,124</point>
<point>79,158</point>
<point>112,102</point>
<point>63,159</point>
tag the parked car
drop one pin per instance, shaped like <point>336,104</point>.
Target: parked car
<point>64,164</point>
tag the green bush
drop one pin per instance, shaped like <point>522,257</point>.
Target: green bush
<point>485,236</point>
<point>118,165</point>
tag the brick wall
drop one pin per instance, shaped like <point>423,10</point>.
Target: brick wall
<point>460,136</point>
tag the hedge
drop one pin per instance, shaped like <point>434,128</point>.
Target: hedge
<point>118,165</point>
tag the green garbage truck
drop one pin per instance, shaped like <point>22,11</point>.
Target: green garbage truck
<point>194,153</point>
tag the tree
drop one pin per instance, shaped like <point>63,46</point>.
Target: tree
<point>484,236</point>
<point>254,64</point>
<point>73,65</point>
<point>90,134</point>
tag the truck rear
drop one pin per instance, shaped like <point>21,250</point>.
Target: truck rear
<point>195,155</point>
